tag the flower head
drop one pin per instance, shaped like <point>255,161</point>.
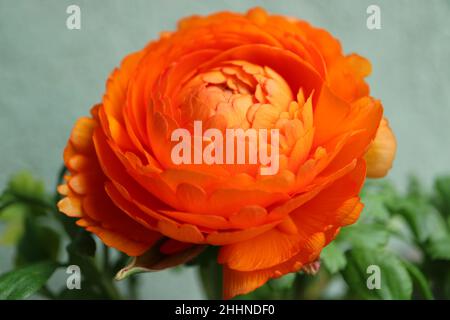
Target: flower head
<point>230,71</point>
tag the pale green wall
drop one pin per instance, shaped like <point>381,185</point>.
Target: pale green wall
<point>49,76</point>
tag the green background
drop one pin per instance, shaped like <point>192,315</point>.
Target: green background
<point>50,76</point>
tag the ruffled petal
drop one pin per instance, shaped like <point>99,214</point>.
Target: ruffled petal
<point>381,154</point>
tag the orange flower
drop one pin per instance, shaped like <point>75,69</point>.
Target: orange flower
<point>229,71</point>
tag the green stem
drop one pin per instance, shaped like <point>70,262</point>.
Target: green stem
<point>29,201</point>
<point>6,205</point>
<point>419,279</point>
<point>106,267</point>
<point>309,287</point>
<point>109,288</point>
<point>132,288</point>
<point>211,278</point>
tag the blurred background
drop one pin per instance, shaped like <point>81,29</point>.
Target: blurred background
<point>50,76</point>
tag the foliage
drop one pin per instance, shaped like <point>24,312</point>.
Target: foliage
<point>405,235</point>
<point>37,230</point>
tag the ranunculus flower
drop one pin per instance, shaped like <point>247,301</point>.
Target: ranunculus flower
<point>229,70</point>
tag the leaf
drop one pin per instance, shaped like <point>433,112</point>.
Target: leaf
<point>22,283</point>
<point>82,244</point>
<point>81,252</point>
<point>25,189</point>
<point>6,199</point>
<point>204,257</point>
<point>424,219</point>
<point>333,258</point>
<point>13,217</point>
<point>375,196</point>
<point>38,243</point>
<point>420,280</point>
<point>395,280</point>
<point>210,273</point>
<point>370,235</point>
<point>439,249</point>
<point>274,289</point>
<point>374,207</point>
<point>96,281</point>
<point>414,189</point>
<point>283,283</point>
<point>23,184</point>
<point>442,187</point>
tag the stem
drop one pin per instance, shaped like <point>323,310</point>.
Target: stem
<point>62,171</point>
<point>45,291</point>
<point>29,201</point>
<point>102,279</point>
<point>106,259</point>
<point>109,288</point>
<point>6,205</point>
<point>309,287</point>
<point>211,279</point>
<point>132,288</point>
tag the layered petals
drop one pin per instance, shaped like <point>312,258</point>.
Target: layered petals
<point>246,131</point>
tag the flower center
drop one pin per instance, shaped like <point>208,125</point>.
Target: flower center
<point>236,94</point>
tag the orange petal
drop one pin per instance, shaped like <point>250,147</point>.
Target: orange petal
<point>71,206</point>
<point>81,136</point>
<point>381,153</point>
<point>122,243</point>
<point>329,47</point>
<point>184,233</point>
<point>117,84</point>
<point>241,282</point>
<point>264,251</point>
<point>249,216</point>
<point>346,77</point>
<point>280,60</point>
<point>330,112</point>
<point>224,238</point>
<point>201,220</point>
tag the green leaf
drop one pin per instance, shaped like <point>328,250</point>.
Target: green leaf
<point>374,207</point>
<point>442,187</point>
<point>83,244</point>
<point>23,184</point>
<point>420,280</point>
<point>210,272</point>
<point>436,226</point>
<point>414,189</point>
<point>13,216</point>
<point>423,218</point>
<point>38,243</point>
<point>211,278</point>
<point>274,289</point>
<point>98,282</point>
<point>439,249</point>
<point>333,258</point>
<point>370,235</point>
<point>395,280</point>
<point>26,190</point>
<point>81,252</point>
<point>22,283</point>
<point>375,196</point>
